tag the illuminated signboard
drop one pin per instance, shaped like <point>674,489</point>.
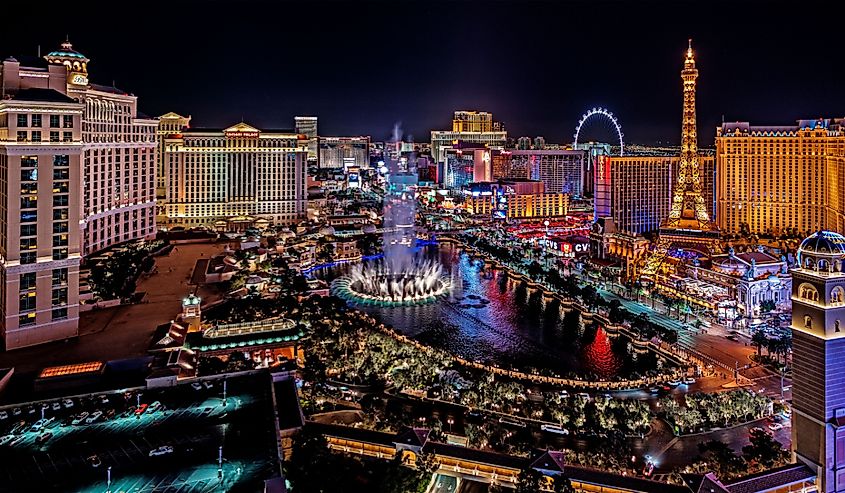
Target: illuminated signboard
<point>79,79</point>
<point>242,135</point>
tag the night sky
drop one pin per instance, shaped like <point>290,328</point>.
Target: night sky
<point>537,66</point>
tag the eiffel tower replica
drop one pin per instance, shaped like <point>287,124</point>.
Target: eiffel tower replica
<point>688,225</point>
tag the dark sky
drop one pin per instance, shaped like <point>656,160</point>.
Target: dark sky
<point>361,66</point>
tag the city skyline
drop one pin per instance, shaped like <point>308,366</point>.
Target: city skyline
<point>542,64</point>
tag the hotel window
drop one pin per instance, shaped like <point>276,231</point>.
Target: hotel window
<point>21,136</point>
<point>59,277</point>
<point>22,120</point>
<point>29,229</point>
<point>29,202</point>
<point>60,296</point>
<point>27,280</point>
<point>36,135</point>
<point>28,319</point>
<point>59,253</point>
<point>54,121</point>
<point>36,121</point>
<point>60,227</point>
<point>59,313</point>
<point>68,121</point>
<point>58,240</point>
<point>28,257</point>
<point>68,136</point>
<point>58,200</point>
<point>29,243</point>
<point>27,301</point>
<point>61,174</point>
<point>54,136</point>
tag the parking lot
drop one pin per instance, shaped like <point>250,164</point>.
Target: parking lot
<point>170,443</point>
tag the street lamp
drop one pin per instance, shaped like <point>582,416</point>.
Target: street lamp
<point>451,422</point>
<point>108,479</point>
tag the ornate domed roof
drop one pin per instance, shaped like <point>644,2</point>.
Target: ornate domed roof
<point>66,50</point>
<point>823,243</point>
<point>327,230</point>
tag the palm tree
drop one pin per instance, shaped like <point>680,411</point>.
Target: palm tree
<point>759,339</point>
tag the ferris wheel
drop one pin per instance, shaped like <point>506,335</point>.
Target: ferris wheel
<point>606,116</point>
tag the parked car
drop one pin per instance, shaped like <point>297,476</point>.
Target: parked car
<point>674,383</point>
<point>16,411</point>
<point>56,406</point>
<point>17,440</point>
<point>6,439</point>
<point>163,450</point>
<point>141,409</point>
<point>563,394</point>
<point>756,429</point>
<point>196,386</point>
<point>555,429</point>
<point>4,414</point>
<point>689,380</point>
<point>208,385</point>
<point>583,395</point>
<point>44,437</point>
<point>80,419</point>
<point>94,417</point>
<point>67,403</point>
<point>775,426</point>
<point>155,406</point>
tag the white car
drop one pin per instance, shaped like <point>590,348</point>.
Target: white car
<point>689,380</point>
<point>67,403</point>
<point>80,419</point>
<point>155,406</point>
<point>555,429</point>
<point>208,385</point>
<point>4,415</point>
<point>163,450</point>
<point>775,426</point>
<point>94,417</point>
<point>6,439</point>
<point>56,406</point>
<point>196,386</point>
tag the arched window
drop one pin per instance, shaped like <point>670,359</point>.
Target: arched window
<point>808,292</point>
<point>809,263</point>
<point>836,326</point>
<point>823,265</point>
<point>837,296</point>
<point>808,322</point>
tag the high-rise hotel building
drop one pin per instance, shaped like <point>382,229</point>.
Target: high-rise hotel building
<point>781,179</point>
<point>636,191</point>
<point>78,176</point>
<point>118,158</point>
<point>468,126</point>
<point>228,178</point>
<point>40,154</point>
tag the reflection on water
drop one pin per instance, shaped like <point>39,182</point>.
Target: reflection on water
<point>490,317</point>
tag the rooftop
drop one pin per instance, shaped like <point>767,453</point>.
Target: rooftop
<point>42,95</point>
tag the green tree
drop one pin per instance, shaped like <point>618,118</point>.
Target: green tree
<point>529,481</point>
<point>764,450</point>
<point>759,339</point>
<point>767,306</point>
<point>562,484</point>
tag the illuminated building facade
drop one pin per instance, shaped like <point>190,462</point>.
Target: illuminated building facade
<point>223,178</point>
<point>636,191</point>
<point>343,152</point>
<point>168,124</point>
<point>779,180</point>
<point>466,163</point>
<point>468,126</point>
<point>41,148</point>
<point>519,206</point>
<point>307,126</point>
<point>118,158</point>
<point>561,171</point>
<point>818,391</point>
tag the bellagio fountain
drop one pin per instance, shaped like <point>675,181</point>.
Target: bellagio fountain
<point>400,278</point>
